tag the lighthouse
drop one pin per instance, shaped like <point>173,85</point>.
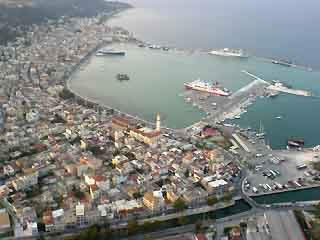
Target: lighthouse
<point>158,122</point>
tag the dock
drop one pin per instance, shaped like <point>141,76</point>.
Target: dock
<point>255,77</point>
<point>244,146</point>
<point>281,88</point>
<point>278,87</point>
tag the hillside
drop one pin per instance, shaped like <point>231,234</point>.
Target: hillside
<point>15,15</point>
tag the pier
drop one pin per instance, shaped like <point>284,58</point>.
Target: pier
<point>283,89</point>
<point>242,144</point>
<point>254,76</point>
<point>278,87</point>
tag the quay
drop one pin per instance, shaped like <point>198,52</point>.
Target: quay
<point>278,87</point>
<point>283,191</point>
<point>229,107</point>
<point>283,89</point>
<point>254,76</point>
<point>242,144</point>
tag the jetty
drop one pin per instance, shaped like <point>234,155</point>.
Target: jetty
<point>255,77</point>
<point>284,89</point>
<point>279,87</point>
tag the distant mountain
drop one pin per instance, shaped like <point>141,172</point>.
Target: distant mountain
<point>16,14</point>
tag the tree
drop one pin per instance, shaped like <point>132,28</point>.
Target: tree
<point>137,195</point>
<point>187,173</point>
<point>317,211</point>
<point>316,165</point>
<point>198,227</point>
<point>182,220</point>
<point>93,232</point>
<point>179,204</point>
<point>147,237</point>
<point>133,227</point>
<point>212,201</point>
<point>227,197</point>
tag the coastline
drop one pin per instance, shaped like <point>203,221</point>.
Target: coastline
<point>235,111</point>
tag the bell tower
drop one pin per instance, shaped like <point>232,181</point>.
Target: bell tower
<point>158,122</point>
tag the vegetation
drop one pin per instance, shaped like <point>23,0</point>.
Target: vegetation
<point>301,220</point>
<point>212,201</point>
<point>187,173</point>
<point>66,94</point>
<point>77,193</point>
<point>227,230</point>
<point>227,197</point>
<point>179,204</point>
<point>93,232</point>
<point>316,165</point>
<point>199,227</point>
<point>133,227</point>
<point>182,220</point>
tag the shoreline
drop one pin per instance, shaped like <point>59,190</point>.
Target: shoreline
<point>252,195</point>
<point>238,110</point>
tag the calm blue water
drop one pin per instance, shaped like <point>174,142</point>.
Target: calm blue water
<point>284,29</point>
<point>281,29</point>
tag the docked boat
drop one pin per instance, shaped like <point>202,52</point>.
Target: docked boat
<point>285,63</point>
<point>203,86</point>
<point>156,47</point>
<point>110,51</point>
<point>122,77</point>
<point>227,52</point>
<point>295,141</point>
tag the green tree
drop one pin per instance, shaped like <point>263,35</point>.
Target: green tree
<point>317,211</point>
<point>93,232</point>
<point>133,227</point>
<point>316,165</point>
<point>179,204</point>
<point>137,195</point>
<point>147,237</point>
<point>198,227</point>
<point>212,200</point>
<point>182,220</point>
<point>187,173</point>
<point>227,197</point>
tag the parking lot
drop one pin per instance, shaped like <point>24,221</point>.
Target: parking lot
<point>281,170</point>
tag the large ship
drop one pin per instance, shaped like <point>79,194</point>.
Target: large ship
<point>285,63</point>
<point>110,51</point>
<point>203,86</point>
<point>294,142</point>
<point>227,52</point>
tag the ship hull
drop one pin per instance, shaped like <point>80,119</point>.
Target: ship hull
<point>212,92</point>
<point>113,53</point>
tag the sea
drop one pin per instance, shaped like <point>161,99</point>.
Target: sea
<point>272,29</point>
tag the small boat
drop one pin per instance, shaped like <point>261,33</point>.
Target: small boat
<point>110,51</point>
<point>156,47</point>
<point>279,117</point>
<point>122,77</point>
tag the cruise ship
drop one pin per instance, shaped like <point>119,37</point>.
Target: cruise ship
<point>227,52</point>
<point>108,51</point>
<point>204,86</point>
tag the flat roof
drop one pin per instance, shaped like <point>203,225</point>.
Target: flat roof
<point>80,210</point>
<point>217,183</point>
<point>57,213</point>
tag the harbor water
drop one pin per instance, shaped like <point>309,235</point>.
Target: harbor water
<point>156,85</point>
